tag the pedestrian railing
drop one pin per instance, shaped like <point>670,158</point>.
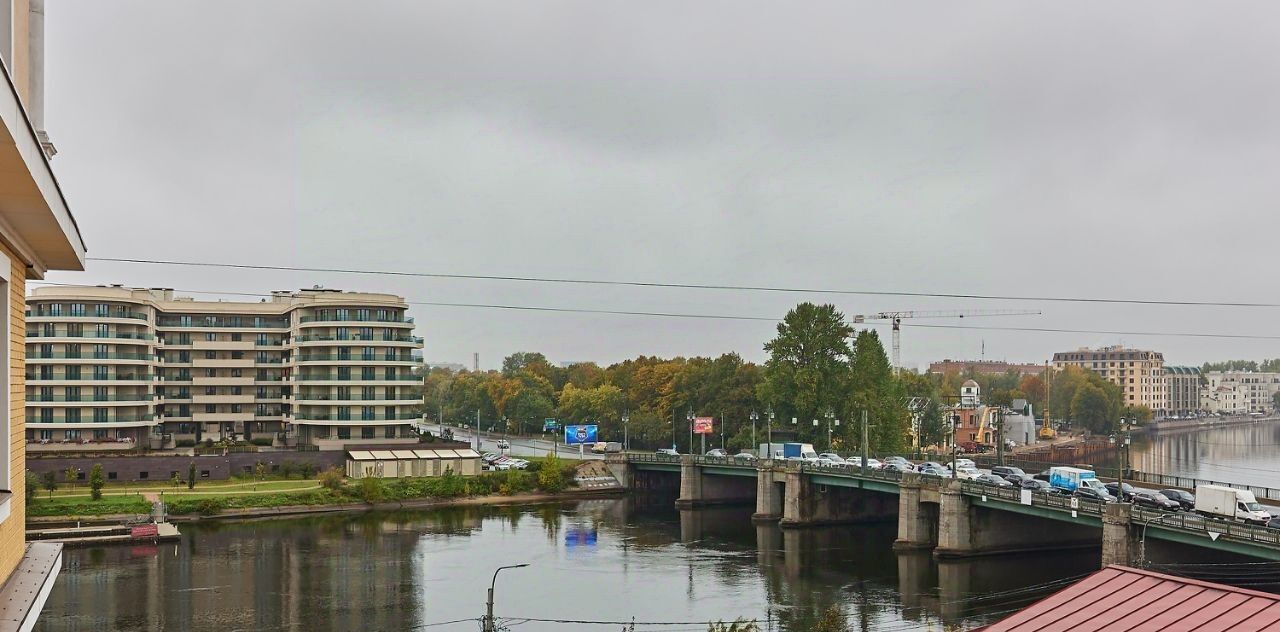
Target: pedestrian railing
<point>1185,482</point>
<point>1196,523</point>
<point>1048,501</point>
<point>653,458</point>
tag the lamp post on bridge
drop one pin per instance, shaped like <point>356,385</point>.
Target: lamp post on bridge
<point>689,417</point>
<point>626,442</point>
<point>755,416</point>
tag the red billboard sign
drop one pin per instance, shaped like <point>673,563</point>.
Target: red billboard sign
<point>703,425</point>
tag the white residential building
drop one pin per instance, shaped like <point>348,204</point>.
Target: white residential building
<point>1239,392</point>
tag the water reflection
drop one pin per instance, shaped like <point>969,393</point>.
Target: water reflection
<point>1243,454</point>
<point>598,560</point>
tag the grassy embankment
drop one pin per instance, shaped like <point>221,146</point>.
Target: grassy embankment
<point>331,488</point>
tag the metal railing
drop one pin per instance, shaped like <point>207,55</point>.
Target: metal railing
<point>322,357</point>
<point>1038,499</point>
<point>350,318</point>
<point>1196,523</point>
<point>357,378</point>
<point>357,338</point>
<point>89,378</point>
<point>90,356</point>
<point>1184,482</point>
<point>653,458</point>
<point>129,315</point>
<point>91,334</point>
<point>89,399</point>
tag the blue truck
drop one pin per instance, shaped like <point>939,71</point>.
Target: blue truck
<point>1073,478</point>
<point>787,451</point>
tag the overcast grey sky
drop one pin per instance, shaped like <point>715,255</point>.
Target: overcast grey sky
<point>1083,149</point>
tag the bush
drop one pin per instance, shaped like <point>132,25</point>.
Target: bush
<point>553,476</point>
<point>96,481</point>
<point>191,475</point>
<point>371,489</point>
<point>210,506</point>
<point>288,468</point>
<point>308,470</point>
<point>265,441</point>
<point>185,443</point>
<point>208,443</point>
<point>332,479</point>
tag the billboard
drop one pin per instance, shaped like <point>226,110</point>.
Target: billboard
<point>703,425</point>
<point>579,434</point>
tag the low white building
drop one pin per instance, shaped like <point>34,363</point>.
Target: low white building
<point>1239,392</point>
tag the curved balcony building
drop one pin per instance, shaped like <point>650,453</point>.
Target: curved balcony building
<point>117,367</point>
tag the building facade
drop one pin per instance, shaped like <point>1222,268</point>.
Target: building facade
<point>1139,374</point>
<point>37,234</point>
<point>1184,385</point>
<point>985,367</point>
<point>116,368</point>
<point>1239,392</point>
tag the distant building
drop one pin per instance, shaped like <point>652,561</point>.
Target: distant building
<point>1139,374</point>
<point>448,366</point>
<point>1183,385</point>
<point>985,367</point>
<point>977,423</point>
<point>1239,392</point>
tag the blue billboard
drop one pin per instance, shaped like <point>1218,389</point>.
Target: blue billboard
<point>579,434</point>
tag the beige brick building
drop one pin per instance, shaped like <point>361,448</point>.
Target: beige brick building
<point>1139,374</point>
<point>116,368</point>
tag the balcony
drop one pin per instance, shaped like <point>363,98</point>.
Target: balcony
<point>353,319</point>
<point>222,399</point>
<point>224,417</point>
<point>221,381</point>
<point>362,359</point>
<point>92,335</point>
<point>356,420</point>
<point>142,377</point>
<point>175,324</point>
<point>89,357</point>
<point>222,345</point>
<point>326,400</point>
<point>43,316</point>
<point>415,340</point>
<point>87,420</point>
<point>222,363</point>
<point>356,378</point>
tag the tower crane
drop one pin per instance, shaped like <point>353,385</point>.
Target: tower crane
<point>897,317</point>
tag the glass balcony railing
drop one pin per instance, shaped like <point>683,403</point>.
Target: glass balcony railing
<point>355,398</point>
<point>46,314</point>
<point>357,378</point>
<point>89,334</point>
<point>89,356</point>
<point>222,325</point>
<point>354,419</point>
<point>87,420</point>
<point>34,377</point>
<point>141,397</point>
<point>322,357</point>
<point>353,318</point>
<point>357,338</point>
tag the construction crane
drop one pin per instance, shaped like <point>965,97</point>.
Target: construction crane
<point>1046,431</point>
<point>897,317</point>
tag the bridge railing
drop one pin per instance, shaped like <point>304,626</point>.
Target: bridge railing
<point>653,458</point>
<point>1051,501</point>
<point>851,471</point>
<point>725,461</point>
<point>1188,521</point>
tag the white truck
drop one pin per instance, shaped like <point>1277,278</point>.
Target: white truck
<point>1229,503</point>
<point>1073,478</point>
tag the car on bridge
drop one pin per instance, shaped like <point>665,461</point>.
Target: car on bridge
<point>993,480</point>
<point>855,462</point>
<point>666,452</point>
<point>718,453</point>
<point>898,466</point>
<point>902,462</point>
<point>832,458</point>
<point>1093,493</point>
<point>934,470</point>
<point>1124,494</point>
<point>967,473</point>
<point>1038,486</point>
<point>1017,479</point>
<point>1006,470</point>
<point>1155,500</point>
<point>745,457</point>
<point>1184,498</point>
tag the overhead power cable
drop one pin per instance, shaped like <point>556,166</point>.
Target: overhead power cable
<point>615,312</point>
<point>685,286</point>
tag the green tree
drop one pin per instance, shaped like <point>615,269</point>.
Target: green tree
<point>807,372</point>
<point>260,471</point>
<point>287,468</point>
<point>1090,408</point>
<point>176,480</point>
<point>191,475</point>
<point>372,489</point>
<point>96,481</point>
<point>308,470</point>
<point>551,475</point>
<point>332,479</point>
<point>1140,414</point>
<point>71,474</point>
<point>50,482</point>
<point>874,388</point>
<point>32,483</point>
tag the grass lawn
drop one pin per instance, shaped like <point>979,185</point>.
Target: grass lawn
<point>43,506</point>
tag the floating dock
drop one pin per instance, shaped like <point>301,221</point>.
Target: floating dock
<point>110,534</point>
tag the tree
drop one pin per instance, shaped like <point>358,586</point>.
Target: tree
<point>1139,414</point>
<point>287,468</point>
<point>808,369</point>
<point>1090,408</point>
<point>71,474</point>
<point>260,471</point>
<point>1032,386</point>
<point>873,388</point>
<point>933,425</point>
<point>308,470</point>
<point>96,481</point>
<point>50,482</point>
<point>176,480</point>
<point>32,483</point>
<point>191,475</point>
<point>551,475</point>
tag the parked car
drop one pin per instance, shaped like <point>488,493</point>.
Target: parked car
<point>855,462</point>
<point>993,480</point>
<point>1006,470</point>
<point>667,452</point>
<point>832,457</point>
<point>1017,479</point>
<point>745,457</point>
<point>1038,486</point>
<point>718,453</point>
<point>967,472</point>
<point>1125,495</point>
<point>932,470</point>
<point>1155,500</point>
<point>503,444</point>
<point>1094,493</point>
<point>1185,499</point>
<point>965,463</point>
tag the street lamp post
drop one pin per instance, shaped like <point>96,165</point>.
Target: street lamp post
<point>626,443</point>
<point>489,624</point>
<point>769,430</point>
<point>689,416</point>
<point>755,416</point>
<point>831,421</point>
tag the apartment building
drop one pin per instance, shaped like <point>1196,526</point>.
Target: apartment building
<point>1183,384</point>
<point>37,234</point>
<point>1139,374</point>
<point>984,367</point>
<point>1239,392</point>
<point>116,368</point>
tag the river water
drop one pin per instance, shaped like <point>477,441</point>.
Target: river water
<point>604,560</point>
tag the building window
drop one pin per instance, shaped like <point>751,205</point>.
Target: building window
<point>389,432</point>
<point>144,475</point>
<point>344,432</point>
<point>366,432</point>
<point>77,309</point>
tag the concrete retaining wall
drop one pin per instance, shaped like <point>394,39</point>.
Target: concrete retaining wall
<point>161,468</point>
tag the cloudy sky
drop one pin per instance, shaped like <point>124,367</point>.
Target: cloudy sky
<point>1009,148</point>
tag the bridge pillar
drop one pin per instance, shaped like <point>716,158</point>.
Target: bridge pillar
<point>796,501</point>
<point>955,537</point>
<point>622,470</point>
<point>690,484</point>
<point>768,494</point>
<point>916,525</point>
<point>1119,544</point>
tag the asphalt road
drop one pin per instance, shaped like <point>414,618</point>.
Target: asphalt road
<point>520,446</point>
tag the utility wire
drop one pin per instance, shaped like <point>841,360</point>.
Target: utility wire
<point>687,286</point>
<point>574,310</point>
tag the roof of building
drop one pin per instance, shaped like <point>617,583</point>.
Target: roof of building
<point>968,383</point>
<point>1182,370</point>
<point>1123,598</point>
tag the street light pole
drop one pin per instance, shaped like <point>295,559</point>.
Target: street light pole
<point>769,429</point>
<point>689,416</point>
<point>489,623</point>
<point>626,443</point>
<point>755,416</point>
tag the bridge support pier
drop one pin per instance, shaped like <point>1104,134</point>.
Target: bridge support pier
<point>769,494</point>
<point>1119,542</point>
<point>955,538</point>
<point>809,504</point>
<point>690,484</point>
<point>622,470</point>
<point>917,526</point>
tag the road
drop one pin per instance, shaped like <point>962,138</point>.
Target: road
<point>520,446</point>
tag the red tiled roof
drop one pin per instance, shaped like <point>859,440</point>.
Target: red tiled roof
<point>1121,598</point>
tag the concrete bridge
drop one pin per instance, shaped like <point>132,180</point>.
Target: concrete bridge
<point>953,518</point>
